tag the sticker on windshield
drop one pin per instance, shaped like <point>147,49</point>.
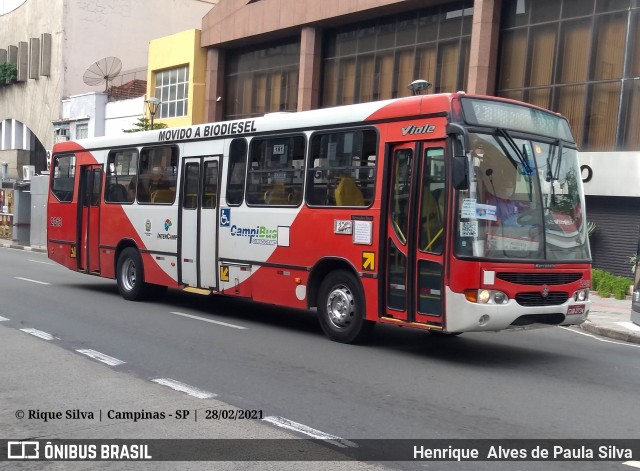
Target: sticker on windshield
<point>468,228</point>
<point>486,211</point>
<point>469,208</point>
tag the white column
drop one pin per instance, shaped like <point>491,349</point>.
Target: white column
<point>18,135</point>
<point>7,131</point>
<point>26,137</point>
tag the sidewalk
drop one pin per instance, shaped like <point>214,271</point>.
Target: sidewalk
<point>11,244</point>
<point>609,317</point>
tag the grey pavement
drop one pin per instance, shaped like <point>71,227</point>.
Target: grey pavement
<point>609,317</point>
<point>36,374</point>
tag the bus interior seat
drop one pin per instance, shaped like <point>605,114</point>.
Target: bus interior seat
<point>348,194</point>
<point>276,195</point>
<point>162,196</point>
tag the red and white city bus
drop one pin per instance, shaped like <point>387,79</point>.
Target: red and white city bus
<point>451,213</point>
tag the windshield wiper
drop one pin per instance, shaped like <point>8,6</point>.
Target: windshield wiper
<point>554,173</point>
<point>520,154</point>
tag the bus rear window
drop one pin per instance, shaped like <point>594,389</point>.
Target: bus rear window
<point>64,174</point>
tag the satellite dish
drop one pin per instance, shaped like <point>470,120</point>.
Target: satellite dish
<point>102,71</point>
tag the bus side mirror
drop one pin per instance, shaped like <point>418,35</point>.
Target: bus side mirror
<point>460,161</point>
<point>460,172</point>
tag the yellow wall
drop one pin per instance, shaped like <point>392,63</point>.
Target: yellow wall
<point>174,51</point>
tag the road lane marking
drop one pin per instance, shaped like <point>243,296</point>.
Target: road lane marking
<point>629,325</point>
<point>626,344</point>
<point>100,357</point>
<point>32,281</point>
<point>209,320</point>
<point>185,388</point>
<point>2,319</point>
<point>38,333</point>
<point>311,432</point>
<point>634,464</point>
<point>40,261</point>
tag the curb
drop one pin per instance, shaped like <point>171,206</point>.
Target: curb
<point>9,245</point>
<point>610,333</point>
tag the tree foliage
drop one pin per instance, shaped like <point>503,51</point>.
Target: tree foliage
<point>143,124</point>
<point>8,73</point>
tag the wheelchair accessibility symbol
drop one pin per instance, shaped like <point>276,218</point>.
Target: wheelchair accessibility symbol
<point>225,217</point>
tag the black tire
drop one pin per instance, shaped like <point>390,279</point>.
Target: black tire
<point>341,308</point>
<point>130,276</point>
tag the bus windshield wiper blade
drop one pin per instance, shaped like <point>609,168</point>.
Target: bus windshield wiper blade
<point>521,156</point>
<point>554,173</point>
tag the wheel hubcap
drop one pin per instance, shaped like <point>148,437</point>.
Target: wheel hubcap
<point>129,274</point>
<point>341,307</point>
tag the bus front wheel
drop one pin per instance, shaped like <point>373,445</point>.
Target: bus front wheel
<point>341,308</point>
<point>130,276</point>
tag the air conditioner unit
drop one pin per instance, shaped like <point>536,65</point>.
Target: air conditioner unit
<point>28,171</point>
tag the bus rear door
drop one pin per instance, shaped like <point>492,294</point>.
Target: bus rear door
<point>414,283</point>
<point>198,222</point>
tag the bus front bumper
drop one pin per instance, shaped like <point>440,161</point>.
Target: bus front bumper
<point>465,316</point>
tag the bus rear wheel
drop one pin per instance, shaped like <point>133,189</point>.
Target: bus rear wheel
<point>130,276</point>
<point>341,308</point>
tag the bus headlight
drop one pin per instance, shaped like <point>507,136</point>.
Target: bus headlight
<point>581,295</point>
<point>486,296</point>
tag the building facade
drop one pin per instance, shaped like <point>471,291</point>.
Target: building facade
<point>177,66</point>
<point>51,43</point>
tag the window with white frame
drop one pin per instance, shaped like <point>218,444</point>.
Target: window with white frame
<point>172,89</point>
<point>82,130</point>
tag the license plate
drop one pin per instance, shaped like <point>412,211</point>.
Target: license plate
<point>575,310</point>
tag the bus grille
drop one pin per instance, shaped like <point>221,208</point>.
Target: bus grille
<point>554,298</point>
<point>539,278</point>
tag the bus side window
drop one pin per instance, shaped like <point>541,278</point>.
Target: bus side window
<point>122,176</point>
<point>342,168</point>
<point>158,172</point>
<point>276,172</point>
<point>236,172</point>
<point>64,172</point>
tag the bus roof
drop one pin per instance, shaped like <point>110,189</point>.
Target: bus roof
<point>360,113</point>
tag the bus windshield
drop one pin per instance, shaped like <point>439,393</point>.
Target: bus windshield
<point>524,201</point>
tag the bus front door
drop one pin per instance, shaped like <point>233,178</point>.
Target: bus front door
<point>198,222</point>
<point>88,243</point>
<point>415,242</point>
